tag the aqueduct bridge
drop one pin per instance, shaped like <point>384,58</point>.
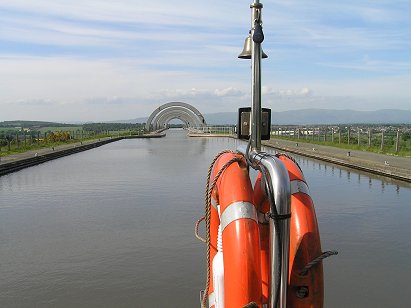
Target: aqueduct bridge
<point>175,110</point>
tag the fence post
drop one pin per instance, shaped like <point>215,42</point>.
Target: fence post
<point>369,137</point>
<point>348,136</point>
<point>397,143</point>
<point>382,140</point>
<point>339,135</point>
<point>358,134</point>
<point>332,134</point>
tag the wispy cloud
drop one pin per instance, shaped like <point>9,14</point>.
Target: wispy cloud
<point>116,55</point>
<point>373,66</point>
<point>304,92</point>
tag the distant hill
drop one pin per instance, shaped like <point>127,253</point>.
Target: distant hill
<point>298,117</point>
<point>30,124</point>
<point>134,121</point>
<point>322,116</point>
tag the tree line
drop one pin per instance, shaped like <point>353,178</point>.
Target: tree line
<point>102,127</point>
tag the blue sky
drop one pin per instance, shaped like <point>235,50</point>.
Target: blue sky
<point>96,60</point>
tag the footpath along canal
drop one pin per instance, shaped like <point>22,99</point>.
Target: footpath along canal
<point>395,167</point>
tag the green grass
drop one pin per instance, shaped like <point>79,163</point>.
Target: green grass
<point>42,144</point>
<point>405,150</point>
<point>58,129</point>
<point>42,130</point>
<point>22,149</point>
<point>6,129</point>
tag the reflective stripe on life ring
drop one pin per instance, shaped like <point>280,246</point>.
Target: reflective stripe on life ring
<point>211,300</point>
<point>299,186</point>
<point>238,210</point>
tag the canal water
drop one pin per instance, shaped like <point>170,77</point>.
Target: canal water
<point>114,227</point>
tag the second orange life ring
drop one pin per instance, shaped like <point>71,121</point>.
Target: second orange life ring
<point>240,234</point>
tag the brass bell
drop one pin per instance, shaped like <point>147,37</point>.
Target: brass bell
<point>246,53</point>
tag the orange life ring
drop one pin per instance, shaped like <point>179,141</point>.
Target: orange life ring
<point>240,234</point>
<point>245,237</point>
<point>303,290</point>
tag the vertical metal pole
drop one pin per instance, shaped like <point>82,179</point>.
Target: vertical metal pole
<point>256,7</point>
<point>358,134</point>
<point>256,114</point>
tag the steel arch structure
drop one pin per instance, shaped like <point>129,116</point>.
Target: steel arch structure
<point>175,110</point>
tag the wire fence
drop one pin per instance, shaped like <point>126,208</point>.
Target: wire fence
<point>212,130</point>
<point>382,139</point>
<point>23,141</point>
<point>395,140</point>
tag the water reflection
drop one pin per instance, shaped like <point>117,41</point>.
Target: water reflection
<point>115,224</point>
<point>330,169</point>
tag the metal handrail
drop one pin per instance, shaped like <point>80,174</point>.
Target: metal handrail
<point>276,175</point>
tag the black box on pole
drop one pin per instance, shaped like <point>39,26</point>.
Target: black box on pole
<point>244,123</point>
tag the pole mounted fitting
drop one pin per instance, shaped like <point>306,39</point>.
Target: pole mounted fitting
<point>258,35</point>
<point>256,5</point>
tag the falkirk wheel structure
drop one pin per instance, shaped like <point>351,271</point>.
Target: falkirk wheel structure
<point>175,110</point>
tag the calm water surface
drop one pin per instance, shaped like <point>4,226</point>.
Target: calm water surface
<point>114,227</point>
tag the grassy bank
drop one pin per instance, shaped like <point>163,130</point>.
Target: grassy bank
<point>389,149</point>
<point>31,144</point>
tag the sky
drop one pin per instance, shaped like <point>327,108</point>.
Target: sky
<point>105,60</point>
